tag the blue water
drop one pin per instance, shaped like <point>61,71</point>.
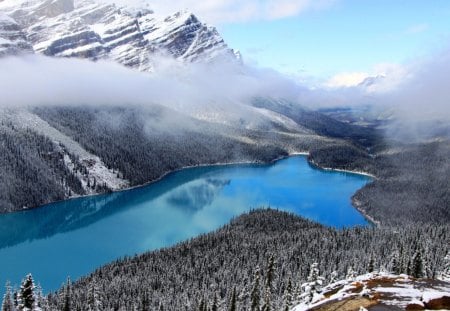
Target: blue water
<point>74,237</point>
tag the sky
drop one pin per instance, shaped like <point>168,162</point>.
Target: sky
<point>346,36</point>
<point>336,41</point>
<point>331,41</point>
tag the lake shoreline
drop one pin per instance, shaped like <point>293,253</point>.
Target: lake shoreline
<point>231,163</point>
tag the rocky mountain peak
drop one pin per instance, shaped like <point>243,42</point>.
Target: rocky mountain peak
<point>131,36</point>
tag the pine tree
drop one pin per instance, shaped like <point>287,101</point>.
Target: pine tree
<point>333,277</point>
<point>67,293</point>
<point>41,300</point>
<point>395,264</point>
<point>94,302</point>
<point>371,264</point>
<point>445,274</point>
<point>314,284</point>
<point>255,295</point>
<point>351,274</point>
<point>7,304</point>
<point>26,299</point>
<point>268,286</point>
<point>233,303</point>
<point>287,297</point>
<point>417,265</point>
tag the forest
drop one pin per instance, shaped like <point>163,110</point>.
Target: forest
<point>257,262</point>
<point>261,259</point>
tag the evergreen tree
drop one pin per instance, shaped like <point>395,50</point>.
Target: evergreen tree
<point>351,273</point>
<point>268,285</point>
<point>26,299</point>
<point>255,295</point>
<point>94,302</point>
<point>445,274</point>
<point>395,264</point>
<point>370,266</point>
<point>41,301</point>
<point>314,284</point>
<point>333,277</point>
<point>233,303</point>
<point>287,297</point>
<point>67,293</point>
<point>417,265</point>
<point>7,304</point>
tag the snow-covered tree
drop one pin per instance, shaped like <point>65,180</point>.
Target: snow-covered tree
<point>255,295</point>
<point>313,287</point>
<point>26,297</point>
<point>94,299</point>
<point>351,273</point>
<point>417,269</point>
<point>333,277</point>
<point>371,265</point>
<point>41,300</point>
<point>66,302</point>
<point>395,265</point>
<point>270,273</point>
<point>7,304</point>
<point>287,297</point>
<point>445,274</point>
<point>233,303</point>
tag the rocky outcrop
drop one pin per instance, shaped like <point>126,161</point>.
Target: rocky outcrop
<point>12,38</point>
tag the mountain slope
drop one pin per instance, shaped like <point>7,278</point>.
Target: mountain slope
<point>94,30</point>
<point>12,39</point>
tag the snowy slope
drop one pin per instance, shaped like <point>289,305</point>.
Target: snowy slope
<point>381,291</point>
<point>94,168</point>
<point>94,30</point>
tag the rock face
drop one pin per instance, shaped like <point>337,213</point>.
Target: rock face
<point>94,30</point>
<point>12,38</point>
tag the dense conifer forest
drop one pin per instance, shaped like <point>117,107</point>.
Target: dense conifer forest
<point>412,181</point>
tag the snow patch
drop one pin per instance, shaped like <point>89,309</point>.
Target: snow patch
<point>94,166</point>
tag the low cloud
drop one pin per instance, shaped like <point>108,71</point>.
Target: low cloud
<point>34,80</point>
<point>415,94</point>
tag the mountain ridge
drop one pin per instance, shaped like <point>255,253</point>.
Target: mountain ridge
<point>95,30</point>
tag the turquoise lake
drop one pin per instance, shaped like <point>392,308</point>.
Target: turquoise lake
<point>72,238</point>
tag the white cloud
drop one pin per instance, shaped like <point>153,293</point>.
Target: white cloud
<point>346,79</point>
<point>392,75</point>
<point>225,11</point>
<point>38,80</point>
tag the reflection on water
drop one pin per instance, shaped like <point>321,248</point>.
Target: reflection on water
<point>197,195</point>
<point>72,238</point>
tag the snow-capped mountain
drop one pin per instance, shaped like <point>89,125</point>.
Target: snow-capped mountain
<point>95,30</point>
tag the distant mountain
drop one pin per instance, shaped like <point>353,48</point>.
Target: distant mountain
<point>94,30</point>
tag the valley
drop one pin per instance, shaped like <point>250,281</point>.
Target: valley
<point>147,165</point>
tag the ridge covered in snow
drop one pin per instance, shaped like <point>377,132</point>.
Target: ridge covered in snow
<point>96,30</point>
